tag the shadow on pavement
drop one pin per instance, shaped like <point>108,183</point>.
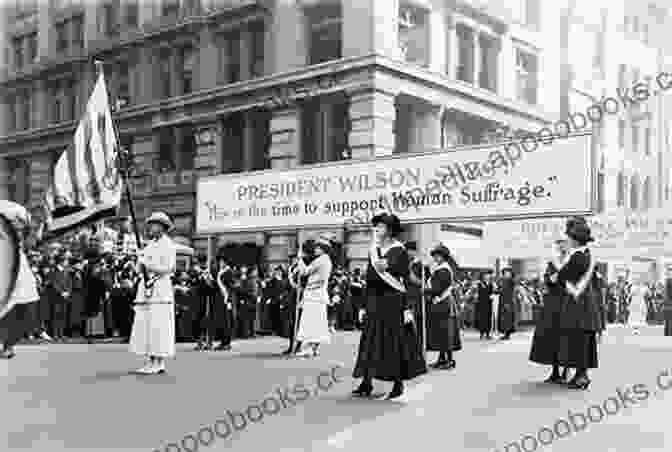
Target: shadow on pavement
<point>117,375</point>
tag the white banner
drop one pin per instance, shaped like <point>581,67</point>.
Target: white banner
<point>499,182</point>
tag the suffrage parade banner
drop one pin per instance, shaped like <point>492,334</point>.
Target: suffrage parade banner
<point>496,182</point>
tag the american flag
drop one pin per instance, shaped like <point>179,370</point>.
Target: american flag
<point>86,185</point>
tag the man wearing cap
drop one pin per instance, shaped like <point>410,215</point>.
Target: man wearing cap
<point>153,334</point>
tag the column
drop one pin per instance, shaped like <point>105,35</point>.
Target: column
<point>146,75</point>
<point>90,23</point>
<point>208,60</point>
<point>506,73</point>
<point>45,31</point>
<point>438,44</point>
<point>42,95</point>
<point>452,52</point>
<point>5,178</point>
<point>285,129</point>
<point>475,36</point>
<point>245,54</point>
<point>372,116</point>
<point>289,43</point>
<point>371,26</point>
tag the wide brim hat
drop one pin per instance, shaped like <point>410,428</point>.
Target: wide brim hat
<point>324,242</point>
<point>162,219</point>
<point>441,250</point>
<point>578,229</point>
<point>390,220</point>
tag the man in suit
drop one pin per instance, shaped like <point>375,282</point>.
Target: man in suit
<point>59,291</point>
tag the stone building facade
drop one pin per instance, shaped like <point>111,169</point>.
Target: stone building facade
<point>223,86</point>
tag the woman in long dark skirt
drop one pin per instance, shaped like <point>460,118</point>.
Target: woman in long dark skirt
<point>443,331</point>
<point>484,293</point>
<point>388,349</point>
<point>580,319</point>
<point>546,340</point>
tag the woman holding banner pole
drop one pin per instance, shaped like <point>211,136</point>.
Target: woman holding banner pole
<point>388,349</point>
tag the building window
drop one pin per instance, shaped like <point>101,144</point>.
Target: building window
<point>188,64</point>
<point>620,190</point>
<point>123,93</point>
<point>11,113</point>
<point>325,32</point>
<point>17,48</point>
<point>70,90</point>
<point>325,129</point>
<point>526,76</point>
<point>634,192</point>
<point>26,109</point>
<point>131,13</point>
<point>61,37</point>
<point>187,151</point>
<point>230,57</point>
<point>170,9</point>
<point>167,161</point>
<point>165,73</point>
<point>258,32</point>
<point>635,138</point>
<point>414,34</point>
<point>647,141</point>
<point>32,47</point>
<point>55,102</point>
<point>78,32</point>
<point>487,78</point>
<point>111,15</point>
<point>465,53</point>
<point>233,143</point>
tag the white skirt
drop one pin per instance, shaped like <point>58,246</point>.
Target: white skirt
<point>154,330</point>
<point>314,325</point>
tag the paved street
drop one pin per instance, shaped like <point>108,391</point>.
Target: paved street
<point>81,397</point>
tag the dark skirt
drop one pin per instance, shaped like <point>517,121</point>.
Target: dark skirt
<point>443,332</point>
<point>389,350</point>
<point>17,323</point>
<point>483,316</point>
<point>578,349</point>
<point>546,339</point>
<point>506,317</point>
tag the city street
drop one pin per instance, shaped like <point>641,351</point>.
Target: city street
<point>81,397</point>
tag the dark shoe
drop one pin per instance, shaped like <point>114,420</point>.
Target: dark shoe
<point>287,352</point>
<point>7,354</point>
<point>555,379</point>
<point>439,364</point>
<point>363,390</point>
<point>222,348</point>
<point>396,392</point>
<point>580,383</point>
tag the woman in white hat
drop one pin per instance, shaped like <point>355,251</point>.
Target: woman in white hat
<point>314,325</point>
<point>15,317</point>
<point>153,334</point>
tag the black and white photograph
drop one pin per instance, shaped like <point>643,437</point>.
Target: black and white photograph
<point>335,225</point>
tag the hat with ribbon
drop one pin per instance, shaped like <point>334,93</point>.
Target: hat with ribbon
<point>162,219</point>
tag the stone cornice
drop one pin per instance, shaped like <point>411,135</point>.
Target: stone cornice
<point>271,92</point>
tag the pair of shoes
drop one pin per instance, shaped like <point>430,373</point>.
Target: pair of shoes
<point>287,352</point>
<point>580,383</point>
<point>363,390</point>
<point>222,348</point>
<point>438,364</point>
<point>307,353</point>
<point>449,365</point>
<point>555,379</point>
<point>7,354</point>
<point>397,391</point>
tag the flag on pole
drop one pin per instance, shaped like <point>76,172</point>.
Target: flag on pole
<point>85,184</point>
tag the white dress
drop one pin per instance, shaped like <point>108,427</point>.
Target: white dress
<point>154,323</point>
<point>314,325</point>
<point>638,308</point>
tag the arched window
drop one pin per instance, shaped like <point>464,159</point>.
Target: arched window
<point>634,192</point>
<point>646,195</point>
<point>620,187</point>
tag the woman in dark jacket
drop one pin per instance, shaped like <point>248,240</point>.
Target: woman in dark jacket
<point>546,341</point>
<point>443,332</point>
<point>388,349</point>
<point>507,311</point>
<point>580,319</point>
<point>484,292</point>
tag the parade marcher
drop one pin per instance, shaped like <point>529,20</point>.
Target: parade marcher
<point>153,334</point>
<point>580,317</point>
<point>357,294</point>
<point>443,332</point>
<point>77,299</point>
<point>546,340</point>
<point>292,308</point>
<point>222,309</point>
<point>507,313</point>
<point>247,293</point>
<point>388,348</point>
<point>484,294</point>
<point>15,317</point>
<point>59,289</point>
<point>314,325</point>
<point>417,277</point>
<point>205,289</point>
<point>637,317</point>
